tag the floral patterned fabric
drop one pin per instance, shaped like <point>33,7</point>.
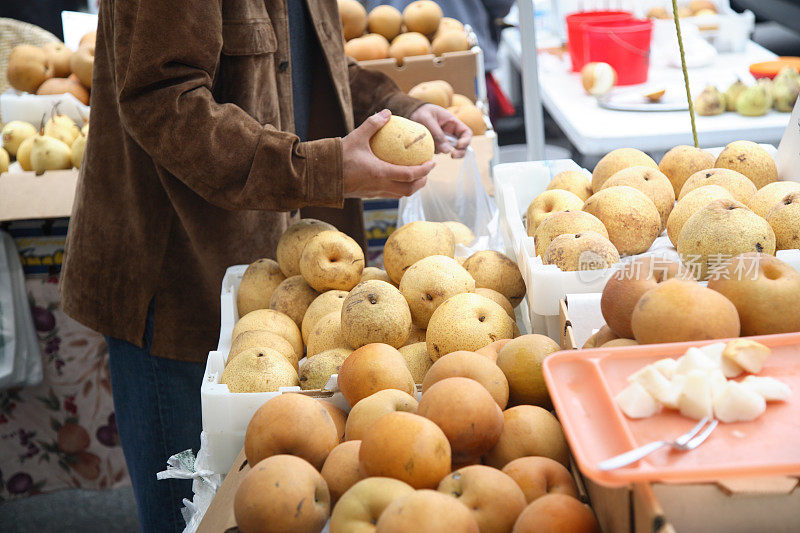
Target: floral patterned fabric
<point>61,433</point>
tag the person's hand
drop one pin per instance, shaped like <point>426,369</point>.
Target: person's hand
<point>442,122</point>
<point>366,176</point>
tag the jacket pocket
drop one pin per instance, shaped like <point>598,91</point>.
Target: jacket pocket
<point>246,75</point>
<point>248,38</point>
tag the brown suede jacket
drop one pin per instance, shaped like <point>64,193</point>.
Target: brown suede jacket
<point>191,164</point>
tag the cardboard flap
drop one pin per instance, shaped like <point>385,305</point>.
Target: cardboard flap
<point>759,485</point>
<point>459,69</point>
<point>566,333</point>
<point>219,516</point>
<point>26,196</point>
<point>647,512</point>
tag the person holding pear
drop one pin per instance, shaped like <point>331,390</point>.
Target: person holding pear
<point>212,124</point>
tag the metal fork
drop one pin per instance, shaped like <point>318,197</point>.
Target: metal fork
<point>688,441</point>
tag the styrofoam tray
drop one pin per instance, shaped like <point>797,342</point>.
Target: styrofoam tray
<point>32,107</point>
<point>516,185</point>
<point>226,414</point>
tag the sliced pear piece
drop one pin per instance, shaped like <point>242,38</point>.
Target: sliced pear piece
<point>713,351</point>
<point>738,403</point>
<point>656,96</point>
<point>771,389</point>
<point>652,381</point>
<point>695,398</point>
<point>666,366</point>
<point>635,402</point>
<point>718,382</point>
<point>748,354</point>
<point>730,368</point>
<point>670,398</point>
<point>694,359</point>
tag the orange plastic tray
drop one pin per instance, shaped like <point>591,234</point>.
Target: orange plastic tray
<point>770,69</point>
<point>583,383</point>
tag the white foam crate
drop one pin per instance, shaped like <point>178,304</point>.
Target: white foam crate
<point>32,107</point>
<point>226,414</point>
<point>516,185</point>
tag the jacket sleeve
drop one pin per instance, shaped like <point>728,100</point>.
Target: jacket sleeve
<point>166,53</point>
<point>372,91</point>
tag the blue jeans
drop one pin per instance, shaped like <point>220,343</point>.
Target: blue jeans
<point>157,405</point>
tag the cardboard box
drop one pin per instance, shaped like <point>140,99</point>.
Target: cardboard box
<point>219,515</point>
<point>26,196</point>
<point>732,505</point>
<point>459,69</point>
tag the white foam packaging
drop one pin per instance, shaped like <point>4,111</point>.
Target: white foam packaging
<point>226,414</point>
<point>516,185</point>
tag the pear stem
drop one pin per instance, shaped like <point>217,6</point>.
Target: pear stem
<point>685,71</point>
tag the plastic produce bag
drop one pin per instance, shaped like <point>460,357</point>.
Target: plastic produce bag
<point>461,198</point>
<point>787,160</point>
<point>205,482</point>
<point>20,357</point>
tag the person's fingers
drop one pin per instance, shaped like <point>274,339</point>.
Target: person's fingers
<point>463,133</point>
<point>399,188</point>
<point>418,184</point>
<point>439,138</point>
<point>458,154</point>
<point>375,122</point>
<point>464,139</point>
<point>455,128</point>
<point>405,173</point>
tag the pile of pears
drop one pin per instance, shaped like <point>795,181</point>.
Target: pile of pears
<point>57,145</point>
<point>753,101</point>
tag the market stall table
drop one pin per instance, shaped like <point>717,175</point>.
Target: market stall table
<point>594,130</point>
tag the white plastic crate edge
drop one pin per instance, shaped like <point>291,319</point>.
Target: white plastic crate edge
<point>228,312</point>
<point>582,329</point>
<point>546,284</point>
<point>225,414</point>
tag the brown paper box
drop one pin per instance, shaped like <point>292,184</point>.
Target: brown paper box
<point>459,69</point>
<point>26,196</point>
<point>219,516</point>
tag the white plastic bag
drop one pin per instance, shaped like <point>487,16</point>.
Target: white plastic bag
<point>461,198</point>
<point>787,157</point>
<point>20,357</point>
<point>205,482</point>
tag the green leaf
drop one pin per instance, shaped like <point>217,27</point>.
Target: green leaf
<point>51,402</point>
<point>48,446</point>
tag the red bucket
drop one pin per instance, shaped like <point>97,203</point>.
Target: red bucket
<point>575,31</point>
<point>625,45</point>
